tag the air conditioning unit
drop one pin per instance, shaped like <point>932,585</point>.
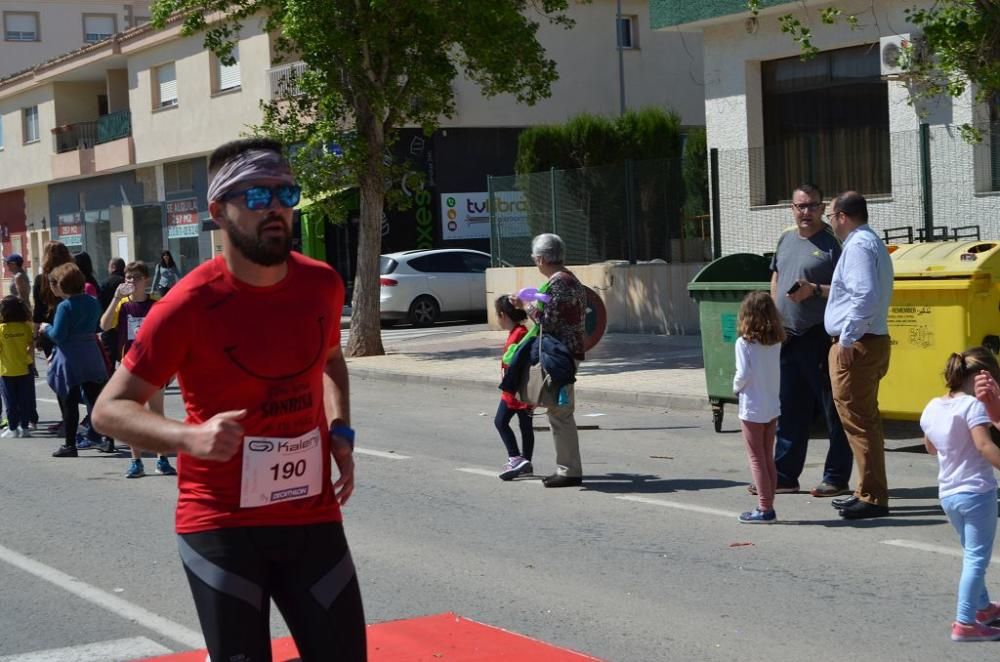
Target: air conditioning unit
<point>893,53</point>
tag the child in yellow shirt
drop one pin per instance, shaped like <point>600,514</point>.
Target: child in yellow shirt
<point>15,361</point>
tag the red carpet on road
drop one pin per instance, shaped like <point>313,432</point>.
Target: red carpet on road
<point>440,638</point>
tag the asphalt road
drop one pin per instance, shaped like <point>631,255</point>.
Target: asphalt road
<point>647,562</point>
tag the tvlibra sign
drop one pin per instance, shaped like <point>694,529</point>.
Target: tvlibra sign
<point>467,215</point>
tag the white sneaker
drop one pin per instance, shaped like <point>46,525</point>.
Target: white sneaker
<point>23,432</point>
<point>8,433</point>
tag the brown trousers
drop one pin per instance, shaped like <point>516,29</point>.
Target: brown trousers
<point>855,394</point>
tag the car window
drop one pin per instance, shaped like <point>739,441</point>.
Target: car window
<point>475,263</point>
<point>386,265</point>
<point>425,263</point>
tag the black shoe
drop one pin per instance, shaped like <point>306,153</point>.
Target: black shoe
<point>65,451</point>
<point>843,502</point>
<point>864,510</point>
<point>107,446</point>
<point>556,480</point>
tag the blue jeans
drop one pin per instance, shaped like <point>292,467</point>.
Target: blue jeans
<point>502,423</point>
<point>805,385</point>
<point>974,517</point>
<point>19,396</point>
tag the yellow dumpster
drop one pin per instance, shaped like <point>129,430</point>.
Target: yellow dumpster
<point>946,298</point>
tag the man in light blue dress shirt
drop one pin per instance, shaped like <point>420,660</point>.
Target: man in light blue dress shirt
<point>856,317</point>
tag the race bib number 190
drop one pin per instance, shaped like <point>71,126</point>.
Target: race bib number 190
<point>278,469</point>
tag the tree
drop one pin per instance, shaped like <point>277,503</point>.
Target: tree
<point>961,36</point>
<point>373,66</point>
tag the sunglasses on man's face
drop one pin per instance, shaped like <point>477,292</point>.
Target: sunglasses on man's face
<point>259,197</point>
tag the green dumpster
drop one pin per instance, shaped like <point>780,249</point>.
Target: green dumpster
<point>719,289</point>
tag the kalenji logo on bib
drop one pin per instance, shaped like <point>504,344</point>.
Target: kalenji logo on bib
<point>290,493</point>
<point>261,446</point>
<point>297,446</point>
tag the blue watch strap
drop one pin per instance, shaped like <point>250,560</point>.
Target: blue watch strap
<point>345,432</point>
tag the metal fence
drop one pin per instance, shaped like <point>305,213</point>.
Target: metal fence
<point>928,184</point>
<point>634,211</point>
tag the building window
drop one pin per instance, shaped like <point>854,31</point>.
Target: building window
<point>31,125</point>
<point>21,26</point>
<point>165,91</point>
<point>226,76</point>
<point>628,35</point>
<point>98,27</point>
<point>178,177</point>
<point>826,121</point>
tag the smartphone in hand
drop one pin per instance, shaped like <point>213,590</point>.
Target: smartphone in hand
<point>794,288</point>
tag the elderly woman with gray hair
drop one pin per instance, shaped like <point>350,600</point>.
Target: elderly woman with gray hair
<point>562,318</point>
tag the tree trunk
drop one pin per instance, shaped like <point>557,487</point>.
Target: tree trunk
<point>366,331</point>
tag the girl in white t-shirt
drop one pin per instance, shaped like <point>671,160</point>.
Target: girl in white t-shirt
<point>758,382</point>
<point>956,429</point>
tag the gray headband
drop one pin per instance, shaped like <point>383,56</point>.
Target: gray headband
<point>251,165</point>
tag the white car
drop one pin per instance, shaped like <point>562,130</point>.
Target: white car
<point>424,286</point>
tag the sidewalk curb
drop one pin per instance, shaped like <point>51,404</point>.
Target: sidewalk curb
<point>644,399</point>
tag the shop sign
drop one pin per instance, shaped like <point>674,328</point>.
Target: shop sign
<point>69,229</point>
<point>182,218</point>
<point>467,215</point>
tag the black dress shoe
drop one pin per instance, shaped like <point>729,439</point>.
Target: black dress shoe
<point>843,502</point>
<point>65,451</point>
<point>864,510</point>
<point>107,446</point>
<point>556,480</point>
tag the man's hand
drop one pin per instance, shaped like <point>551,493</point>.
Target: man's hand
<point>845,356</point>
<point>806,291</point>
<point>988,392</point>
<point>343,455</point>
<point>218,438</point>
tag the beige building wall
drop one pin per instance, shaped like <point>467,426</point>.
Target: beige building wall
<point>60,27</point>
<point>664,70</point>
<point>77,102</point>
<point>202,119</point>
<point>28,164</point>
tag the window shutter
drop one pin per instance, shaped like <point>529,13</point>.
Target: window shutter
<point>229,76</point>
<point>96,28</point>
<point>22,24</point>
<point>166,78</point>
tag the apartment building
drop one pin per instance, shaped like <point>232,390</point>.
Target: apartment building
<point>105,147</point>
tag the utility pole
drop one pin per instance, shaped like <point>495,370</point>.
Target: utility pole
<point>621,59</point>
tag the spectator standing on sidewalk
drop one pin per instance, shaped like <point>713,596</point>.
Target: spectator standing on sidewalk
<point>166,274</point>
<point>77,365</point>
<point>857,318</point>
<point>54,255</point>
<point>20,286</point>
<point>124,315</point>
<point>17,357</point>
<point>562,318</point>
<point>116,276</point>
<point>511,320</point>
<point>86,265</point>
<point>802,269</point>
<point>268,412</point>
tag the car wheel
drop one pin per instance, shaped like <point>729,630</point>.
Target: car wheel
<point>424,311</point>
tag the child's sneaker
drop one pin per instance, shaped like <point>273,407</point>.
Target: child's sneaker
<point>975,632</point>
<point>758,516</point>
<point>163,467</point>
<point>514,468</point>
<point>23,432</point>
<point>83,442</point>
<point>8,433</point>
<point>988,615</point>
<point>135,469</point>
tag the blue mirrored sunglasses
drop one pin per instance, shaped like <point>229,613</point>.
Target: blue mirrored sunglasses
<point>259,197</point>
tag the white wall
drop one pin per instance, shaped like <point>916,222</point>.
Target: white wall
<point>733,114</point>
<point>665,70</point>
<point>60,27</point>
<point>20,164</point>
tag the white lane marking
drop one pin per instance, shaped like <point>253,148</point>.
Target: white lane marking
<point>119,650</point>
<point>55,402</point>
<point>123,608</point>
<point>925,547</point>
<point>383,454</point>
<point>680,506</point>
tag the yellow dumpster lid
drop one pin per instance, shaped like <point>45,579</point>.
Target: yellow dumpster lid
<point>946,259</point>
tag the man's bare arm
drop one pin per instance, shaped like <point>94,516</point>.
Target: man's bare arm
<point>121,413</point>
<point>337,400</point>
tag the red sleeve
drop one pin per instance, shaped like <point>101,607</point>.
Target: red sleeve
<point>337,302</point>
<point>519,332</point>
<point>162,342</point>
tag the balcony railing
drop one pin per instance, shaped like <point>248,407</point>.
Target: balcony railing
<point>282,82</point>
<point>84,135</point>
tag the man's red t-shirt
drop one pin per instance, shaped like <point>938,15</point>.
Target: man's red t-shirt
<point>234,346</point>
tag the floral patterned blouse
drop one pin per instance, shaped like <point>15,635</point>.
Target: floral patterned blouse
<point>563,316</point>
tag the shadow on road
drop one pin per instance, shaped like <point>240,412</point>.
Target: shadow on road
<point>615,483</point>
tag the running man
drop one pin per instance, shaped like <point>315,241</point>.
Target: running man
<point>254,338</point>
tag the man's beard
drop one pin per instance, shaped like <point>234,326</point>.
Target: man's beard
<point>267,252</point>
